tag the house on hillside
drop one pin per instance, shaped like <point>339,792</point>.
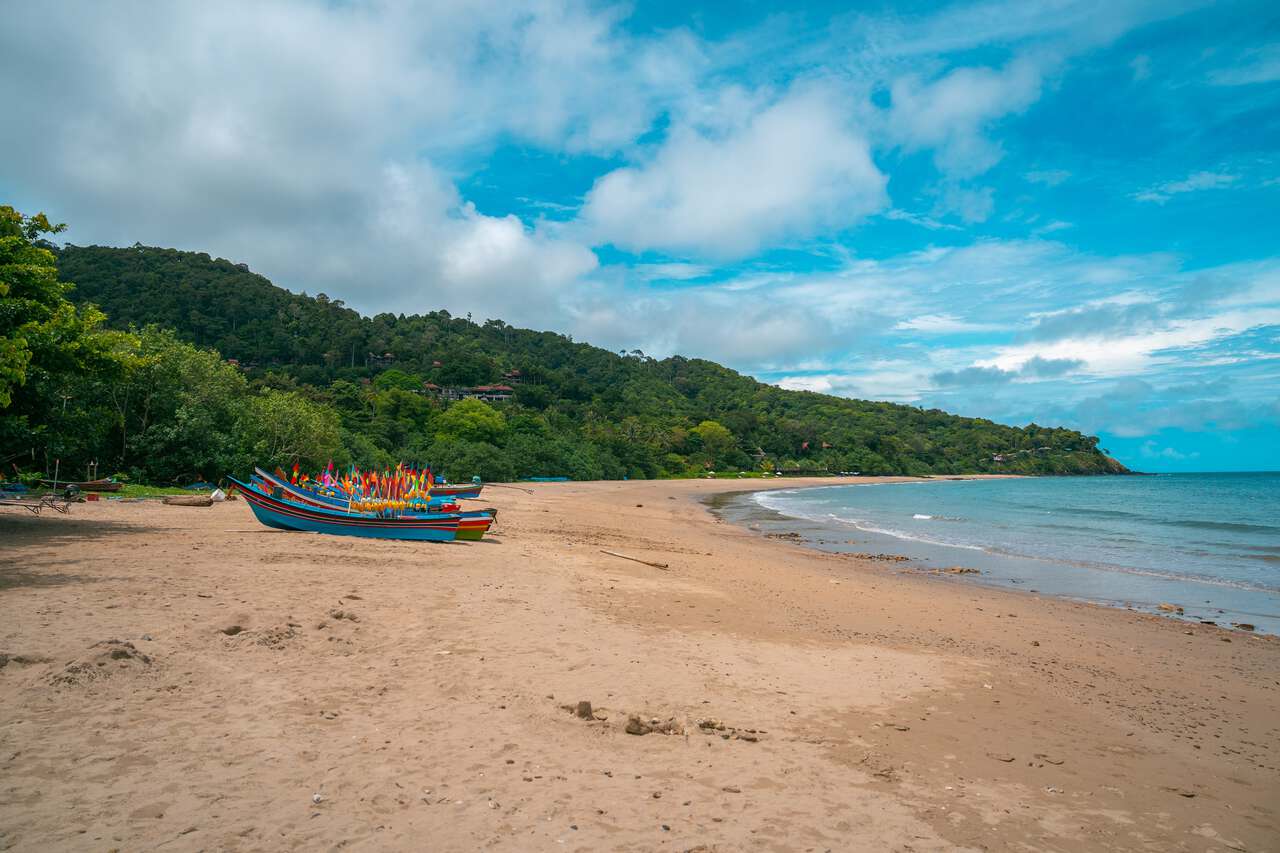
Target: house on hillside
<point>492,393</point>
<point>513,376</point>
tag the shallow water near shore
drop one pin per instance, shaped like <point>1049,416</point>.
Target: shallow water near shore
<point>1209,543</point>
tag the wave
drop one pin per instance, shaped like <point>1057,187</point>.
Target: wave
<point>1099,513</point>
<point>919,516</point>
<point>1234,526</point>
<point>863,525</point>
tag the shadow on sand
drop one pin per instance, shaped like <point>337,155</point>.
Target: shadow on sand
<point>27,531</point>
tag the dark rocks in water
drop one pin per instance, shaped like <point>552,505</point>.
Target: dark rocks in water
<point>1244,626</point>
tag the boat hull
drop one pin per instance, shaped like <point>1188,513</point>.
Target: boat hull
<point>472,526</point>
<point>284,515</point>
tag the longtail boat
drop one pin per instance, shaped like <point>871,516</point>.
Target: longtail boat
<point>289,515</point>
<point>472,524</point>
<point>104,485</point>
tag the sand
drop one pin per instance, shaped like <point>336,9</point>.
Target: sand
<point>185,679</point>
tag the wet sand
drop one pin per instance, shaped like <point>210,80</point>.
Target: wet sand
<point>277,691</point>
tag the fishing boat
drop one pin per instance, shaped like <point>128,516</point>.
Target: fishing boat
<point>472,524</point>
<point>465,491</point>
<point>275,511</point>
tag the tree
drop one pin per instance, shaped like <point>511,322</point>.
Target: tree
<point>471,420</point>
<point>282,427</point>
<point>716,439</point>
<point>47,345</point>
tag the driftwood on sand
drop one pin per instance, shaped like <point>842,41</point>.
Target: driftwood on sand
<point>634,559</point>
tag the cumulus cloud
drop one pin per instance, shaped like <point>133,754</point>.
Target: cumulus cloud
<point>312,140</point>
<point>951,113</point>
<point>1033,368</point>
<point>760,173</point>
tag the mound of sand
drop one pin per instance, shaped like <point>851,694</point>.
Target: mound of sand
<point>104,659</point>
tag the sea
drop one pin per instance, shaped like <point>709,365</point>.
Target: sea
<point>1208,543</point>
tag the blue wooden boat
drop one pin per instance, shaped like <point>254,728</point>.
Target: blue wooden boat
<point>472,524</point>
<point>275,511</point>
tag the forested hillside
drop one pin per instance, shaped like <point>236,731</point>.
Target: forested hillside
<point>172,366</point>
<point>578,410</point>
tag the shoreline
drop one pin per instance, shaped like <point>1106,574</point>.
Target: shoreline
<point>795,698</point>
<point>971,564</point>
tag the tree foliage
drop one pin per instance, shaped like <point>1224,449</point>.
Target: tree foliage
<point>310,379</point>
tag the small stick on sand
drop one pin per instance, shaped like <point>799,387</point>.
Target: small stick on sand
<point>634,559</point>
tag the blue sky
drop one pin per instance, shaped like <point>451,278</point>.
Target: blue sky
<point>1059,212</point>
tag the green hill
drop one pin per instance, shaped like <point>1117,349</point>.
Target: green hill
<point>577,410</point>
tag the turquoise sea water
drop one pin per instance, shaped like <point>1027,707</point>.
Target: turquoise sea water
<point>1207,542</point>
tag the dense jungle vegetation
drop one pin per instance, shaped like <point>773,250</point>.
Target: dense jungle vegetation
<point>169,366</point>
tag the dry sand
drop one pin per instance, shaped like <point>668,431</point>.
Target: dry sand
<point>390,695</point>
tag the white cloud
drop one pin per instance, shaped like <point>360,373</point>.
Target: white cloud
<point>1257,66</point>
<point>944,324</point>
<point>1055,225</point>
<point>756,173</point>
<point>310,140</point>
<point>1195,182</point>
<point>923,221</point>
<point>1141,67</point>
<point>1048,177</point>
<point>951,114</point>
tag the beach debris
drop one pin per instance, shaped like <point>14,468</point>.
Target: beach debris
<point>344,614</point>
<point>636,726</point>
<point>25,660</point>
<point>635,559</point>
<point>790,536</point>
<point>1001,756</point>
<point>960,570</point>
<point>731,789</point>
<point>1048,759</point>
<point>231,630</point>
<point>1035,642</point>
<point>1181,792</point>
<point>1244,626</point>
<point>317,798</point>
<point>881,558</point>
<point>1166,607</point>
<point>726,732</point>
<point>584,711</point>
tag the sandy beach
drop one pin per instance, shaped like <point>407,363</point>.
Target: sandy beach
<point>187,679</point>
